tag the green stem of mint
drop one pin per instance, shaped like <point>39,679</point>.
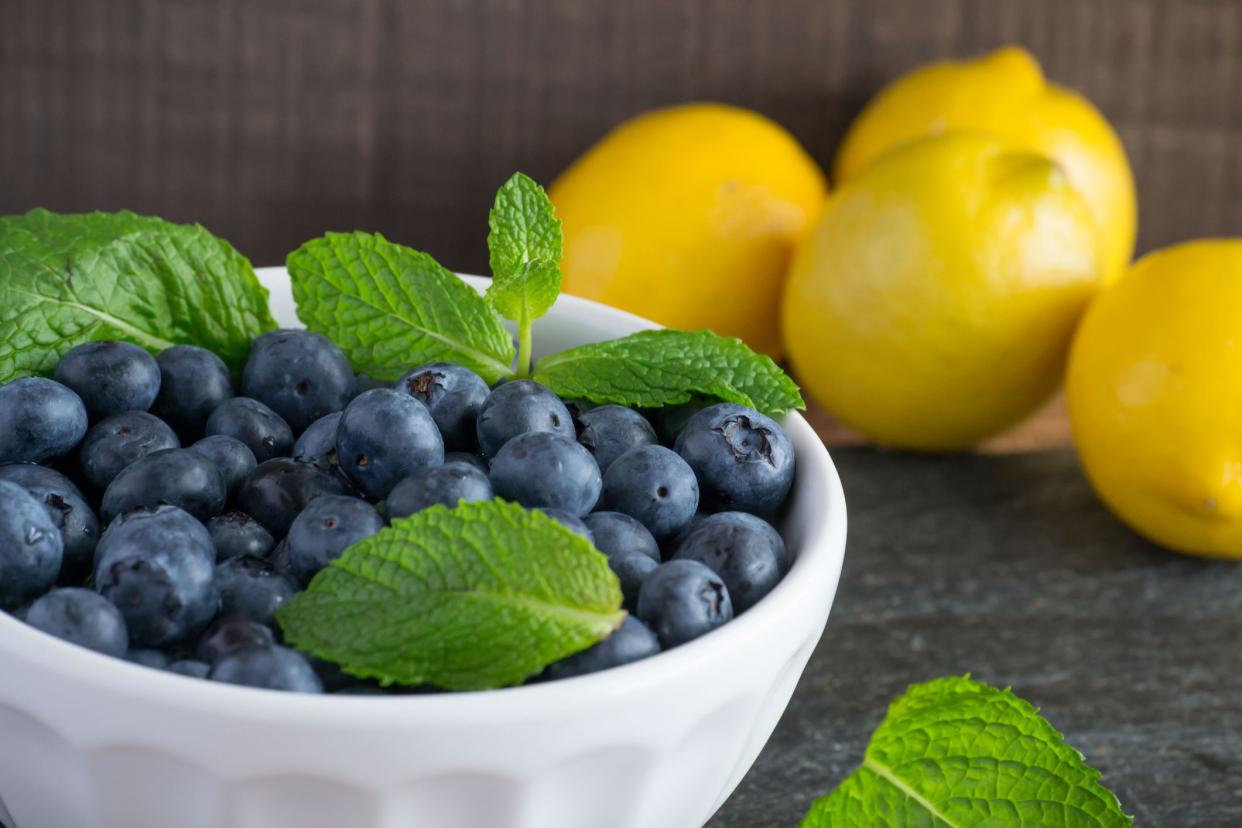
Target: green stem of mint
<point>524,349</point>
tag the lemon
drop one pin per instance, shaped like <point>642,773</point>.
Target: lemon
<point>1005,93</point>
<point>1155,390</point>
<point>689,216</point>
<point>933,303</point>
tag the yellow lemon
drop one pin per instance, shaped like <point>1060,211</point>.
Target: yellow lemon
<point>933,303</point>
<point>1005,93</point>
<point>688,216</point>
<point>1155,394</point>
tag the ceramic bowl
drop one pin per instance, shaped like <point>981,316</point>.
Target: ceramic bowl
<point>88,741</point>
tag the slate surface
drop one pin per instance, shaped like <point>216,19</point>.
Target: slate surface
<point>1008,568</point>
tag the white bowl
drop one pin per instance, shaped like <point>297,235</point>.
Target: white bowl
<point>88,741</point>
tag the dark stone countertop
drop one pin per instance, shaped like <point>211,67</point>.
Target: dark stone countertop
<point>1008,568</point>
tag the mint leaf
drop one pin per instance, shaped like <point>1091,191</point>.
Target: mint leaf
<point>391,307</point>
<point>666,367</point>
<point>69,279</point>
<point>525,252</point>
<point>479,596</point>
<point>955,752</point>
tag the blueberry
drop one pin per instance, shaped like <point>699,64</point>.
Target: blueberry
<point>300,375</point>
<point>670,419</point>
<point>31,549</point>
<point>81,617</point>
<point>742,553</point>
<point>571,522</point>
<point>673,541</point>
<point>447,484</point>
<point>364,383</point>
<point>384,436</point>
<point>682,600</point>
<point>110,377</point>
<point>156,566</point>
<point>751,524</point>
<point>453,395</point>
<point>232,635</point>
<point>118,440</point>
<point>280,557</point>
<point>318,443</point>
<point>194,381</point>
<point>743,459</point>
<point>518,407</point>
<point>236,533</point>
<point>252,588</point>
<point>333,678</point>
<point>542,469</point>
<point>65,504</point>
<point>655,486</point>
<point>231,457</point>
<point>177,477</point>
<point>39,419</point>
<point>262,430</point>
<point>325,528</point>
<point>468,458</point>
<point>271,668</point>
<point>155,659</point>
<point>618,534</point>
<point>631,569</point>
<point>191,668</point>
<point>609,431</point>
<point>276,491</point>
<point>631,641</point>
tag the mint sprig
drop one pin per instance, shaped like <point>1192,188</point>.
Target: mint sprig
<point>667,367</point>
<point>524,246</point>
<point>391,307</point>
<point>956,752</point>
<point>69,279</point>
<point>483,595</point>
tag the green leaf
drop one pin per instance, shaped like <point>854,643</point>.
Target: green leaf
<point>391,307</point>
<point>479,596</point>
<point>666,367</point>
<point>69,279</point>
<point>955,752</point>
<point>525,251</point>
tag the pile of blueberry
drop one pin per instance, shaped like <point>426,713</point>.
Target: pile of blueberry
<point>148,513</point>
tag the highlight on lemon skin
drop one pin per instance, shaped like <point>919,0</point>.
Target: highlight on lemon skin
<point>1154,389</point>
<point>689,216</point>
<point>933,304</point>
<point>1005,92</point>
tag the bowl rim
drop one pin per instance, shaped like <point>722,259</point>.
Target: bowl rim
<point>818,562</point>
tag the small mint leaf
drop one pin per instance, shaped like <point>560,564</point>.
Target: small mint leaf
<point>524,247</point>
<point>479,596</point>
<point>955,752</point>
<point>666,367</point>
<point>391,307</point>
<point>69,279</point>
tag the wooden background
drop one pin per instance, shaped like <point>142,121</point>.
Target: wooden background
<point>270,121</point>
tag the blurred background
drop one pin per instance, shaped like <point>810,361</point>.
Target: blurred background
<point>270,121</point>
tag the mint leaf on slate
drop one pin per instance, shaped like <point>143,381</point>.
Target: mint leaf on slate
<point>479,596</point>
<point>666,367</point>
<point>390,307</point>
<point>69,279</point>
<point>956,752</point>
<point>524,246</point>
